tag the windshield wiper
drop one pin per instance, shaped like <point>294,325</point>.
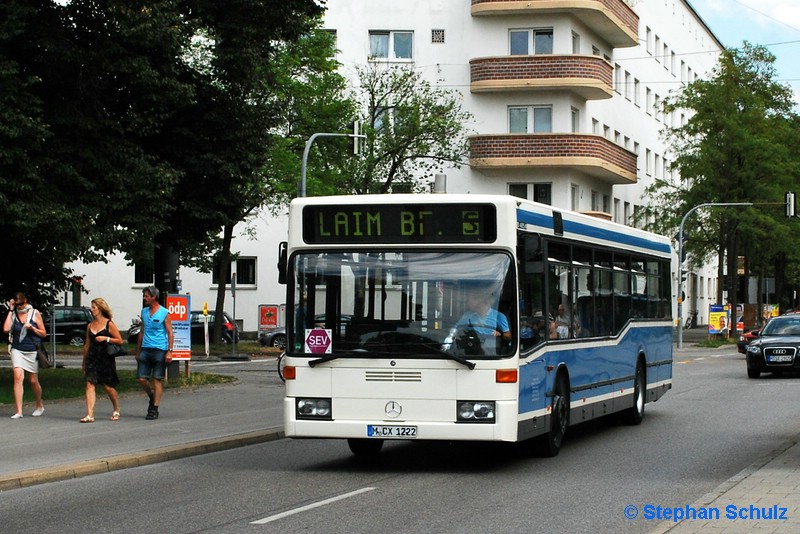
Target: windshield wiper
<point>335,355</point>
<point>456,358</point>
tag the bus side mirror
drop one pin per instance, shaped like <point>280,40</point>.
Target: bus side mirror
<point>282,247</point>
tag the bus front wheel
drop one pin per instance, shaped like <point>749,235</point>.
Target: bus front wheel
<point>365,447</point>
<point>559,419</point>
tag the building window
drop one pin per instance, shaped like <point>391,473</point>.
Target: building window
<point>596,126</point>
<point>649,101</point>
<point>537,119</point>
<point>245,273</point>
<point>628,85</point>
<point>617,78</point>
<point>576,43</point>
<point>541,193</point>
<point>576,120</point>
<point>648,166</point>
<point>636,97</point>
<point>143,274</point>
<point>527,42</point>
<point>595,51</point>
<point>657,48</point>
<point>574,198</point>
<point>391,45</point>
<point>606,204</point>
<point>649,40</point>
<point>595,201</point>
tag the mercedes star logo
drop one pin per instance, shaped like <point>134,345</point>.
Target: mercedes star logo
<point>393,409</point>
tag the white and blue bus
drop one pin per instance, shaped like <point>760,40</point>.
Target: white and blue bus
<point>386,341</point>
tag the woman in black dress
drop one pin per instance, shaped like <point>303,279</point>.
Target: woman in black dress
<point>98,367</point>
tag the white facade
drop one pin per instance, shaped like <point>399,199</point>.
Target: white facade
<point>450,40</point>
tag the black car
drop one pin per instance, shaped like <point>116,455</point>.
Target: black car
<point>229,330</point>
<point>776,348</point>
<point>70,324</point>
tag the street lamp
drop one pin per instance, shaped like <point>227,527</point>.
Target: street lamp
<point>680,259</point>
<point>301,191</point>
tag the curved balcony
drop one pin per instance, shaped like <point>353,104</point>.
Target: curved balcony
<point>588,76</point>
<point>612,20</point>
<point>591,154</point>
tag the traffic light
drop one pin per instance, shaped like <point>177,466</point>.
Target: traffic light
<point>790,204</point>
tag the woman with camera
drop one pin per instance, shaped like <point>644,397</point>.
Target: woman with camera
<point>27,331</point>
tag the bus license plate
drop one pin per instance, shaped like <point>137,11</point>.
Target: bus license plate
<point>388,432</point>
<point>781,358</point>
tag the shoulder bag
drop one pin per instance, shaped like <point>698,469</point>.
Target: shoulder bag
<point>42,356</point>
<point>112,350</point>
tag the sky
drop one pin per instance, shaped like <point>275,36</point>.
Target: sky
<point>772,23</point>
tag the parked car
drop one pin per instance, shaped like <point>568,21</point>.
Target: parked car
<point>776,348</point>
<point>745,340</point>
<point>197,332</point>
<point>276,337</point>
<point>70,324</point>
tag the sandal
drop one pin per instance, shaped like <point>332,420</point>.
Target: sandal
<point>115,416</point>
<point>87,419</point>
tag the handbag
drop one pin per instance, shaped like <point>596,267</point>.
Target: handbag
<point>114,351</point>
<point>43,357</point>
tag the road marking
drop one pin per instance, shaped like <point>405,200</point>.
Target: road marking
<point>310,506</point>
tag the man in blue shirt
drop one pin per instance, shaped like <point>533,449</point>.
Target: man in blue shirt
<point>487,322</point>
<point>153,349</point>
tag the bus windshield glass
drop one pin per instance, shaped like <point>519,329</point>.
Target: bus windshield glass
<point>404,304</point>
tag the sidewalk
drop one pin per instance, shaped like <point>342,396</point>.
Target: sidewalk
<point>768,488</point>
<point>56,447</point>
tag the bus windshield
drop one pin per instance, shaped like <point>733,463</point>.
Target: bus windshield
<point>446,304</point>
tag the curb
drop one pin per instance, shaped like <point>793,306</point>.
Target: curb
<point>124,461</point>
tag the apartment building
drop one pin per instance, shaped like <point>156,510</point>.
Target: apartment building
<point>566,98</point>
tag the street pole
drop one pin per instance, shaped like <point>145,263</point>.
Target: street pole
<point>301,191</point>
<point>680,259</point>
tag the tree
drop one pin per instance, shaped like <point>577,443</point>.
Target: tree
<point>131,126</point>
<point>413,128</point>
<point>733,148</point>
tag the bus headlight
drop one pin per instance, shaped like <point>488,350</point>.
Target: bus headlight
<point>475,411</point>
<point>314,409</point>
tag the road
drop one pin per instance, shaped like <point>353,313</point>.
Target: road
<point>714,423</point>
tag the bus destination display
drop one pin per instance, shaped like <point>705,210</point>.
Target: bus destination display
<point>393,223</point>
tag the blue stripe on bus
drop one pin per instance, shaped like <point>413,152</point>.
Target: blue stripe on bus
<point>597,367</point>
<point>586,230</point>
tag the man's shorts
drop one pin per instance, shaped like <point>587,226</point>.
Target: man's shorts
<point>151,363</point>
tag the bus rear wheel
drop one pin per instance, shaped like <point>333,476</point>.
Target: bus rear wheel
<point>635,414</point>
<point>550,443</point>
<point>365,447</point>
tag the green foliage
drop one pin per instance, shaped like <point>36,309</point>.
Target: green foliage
<point>413,130</point>
<point>69,383</point>
<point>736,146</point>
<point>128,126</point>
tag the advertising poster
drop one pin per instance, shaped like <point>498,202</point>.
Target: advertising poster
<point>718,319</point>
<point>178,307</point>
<point>268,316</point>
